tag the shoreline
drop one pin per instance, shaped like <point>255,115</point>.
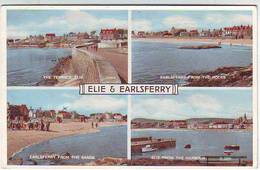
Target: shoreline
<point>180,162</point>
<point>61,68</point>
<point>185,129</point>
<point>223,76</point>
<point>39,47</point>
<point>66,71</point>
<point>114,161</point>
<point>41,136</point>
<point>236,42</point>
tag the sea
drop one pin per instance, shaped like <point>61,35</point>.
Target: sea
<point>109,142</point>
<point>203,143</point>
<point>26,66</point>
<point>150,60</point>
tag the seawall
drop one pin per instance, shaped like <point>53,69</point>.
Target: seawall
<point>93,68</point>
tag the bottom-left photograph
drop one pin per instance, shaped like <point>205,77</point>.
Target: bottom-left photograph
<point>61,127</point>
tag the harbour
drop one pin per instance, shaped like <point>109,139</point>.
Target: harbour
<point>202,143</point>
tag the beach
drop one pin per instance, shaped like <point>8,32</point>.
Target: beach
<point>242,42</point>
<point>19,139</point>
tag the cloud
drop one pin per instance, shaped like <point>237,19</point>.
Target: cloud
<point>75,21</point>
<point>204,103</point>
<point>68,96</point>
<point>238,19</point>
<point>14,32</point>
<point>180,22</point>
<point>228,20</point>
<point>158,108</point>
<point>215,18</point>
<point>166,108</point>
<point>141,25</point>
<point>96,104</point>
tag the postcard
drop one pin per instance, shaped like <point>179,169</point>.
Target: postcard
<point>149,86</point>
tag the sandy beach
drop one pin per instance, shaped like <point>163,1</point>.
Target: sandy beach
<point>245,42</point>
<point>19,139</point>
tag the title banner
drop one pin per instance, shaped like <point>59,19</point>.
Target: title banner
<point>128,89</point>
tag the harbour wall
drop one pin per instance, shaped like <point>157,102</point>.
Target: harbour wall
<point>137,145</point>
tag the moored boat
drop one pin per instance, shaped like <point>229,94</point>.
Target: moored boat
<point>228,152</point>
<point>232,147</point>
<point>148,148</point>
<point>188,146</point>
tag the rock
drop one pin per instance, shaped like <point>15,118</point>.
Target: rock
<point>234,76</point>
<point>200,47</point>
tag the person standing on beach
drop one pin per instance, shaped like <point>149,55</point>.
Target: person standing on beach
<point>48,125</point>
<point>42,125</point>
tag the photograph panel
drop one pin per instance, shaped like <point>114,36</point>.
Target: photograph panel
<point>197,128</point>
<point>193,47</point>
<point>59,127</point>
<point>66,47</point>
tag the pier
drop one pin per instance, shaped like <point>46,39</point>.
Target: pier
<point>138,143</point>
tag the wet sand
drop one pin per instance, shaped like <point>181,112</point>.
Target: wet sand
<point>18,139</point>
<point>246,42</point>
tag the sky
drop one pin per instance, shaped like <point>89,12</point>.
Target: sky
<point>21,23</point>
<point>165,20</point>
<point>197,103</point>
<point>70,98</point>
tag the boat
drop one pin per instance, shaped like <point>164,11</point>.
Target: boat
<point>188,146</point>
<point>232,147</point>
<point>148,148</point>
<point>228,153</point>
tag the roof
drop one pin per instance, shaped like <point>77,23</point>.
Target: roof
<point>108,30</point>
<point>241,27</point>
<point>50,35</point>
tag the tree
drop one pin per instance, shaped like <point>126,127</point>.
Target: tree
<point>92,33</point>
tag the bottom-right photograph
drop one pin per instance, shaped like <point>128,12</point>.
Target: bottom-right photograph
<point>198,127</point>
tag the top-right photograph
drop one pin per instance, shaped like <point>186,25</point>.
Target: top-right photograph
<point>193,47</point>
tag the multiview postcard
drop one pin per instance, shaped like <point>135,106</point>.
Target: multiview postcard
<point>129,86</point>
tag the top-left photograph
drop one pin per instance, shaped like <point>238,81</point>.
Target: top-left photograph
<point>64,47</point>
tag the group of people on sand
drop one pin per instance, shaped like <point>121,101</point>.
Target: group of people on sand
<point>94,125</point>
<point>17,124</point>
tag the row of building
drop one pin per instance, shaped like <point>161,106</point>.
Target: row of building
<point>235,32</point>
<point>69,39</point>
<point>23,113</point>
<point>239,123</point>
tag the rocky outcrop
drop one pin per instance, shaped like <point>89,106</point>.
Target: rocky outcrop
<point>108,161</point>
<point>198,47</point>
<point>163,162</point>
<point>224,76</point>
<point>58,70</point>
